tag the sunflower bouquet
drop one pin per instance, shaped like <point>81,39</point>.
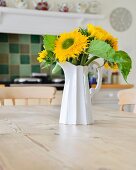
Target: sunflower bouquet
<point>82,47</point>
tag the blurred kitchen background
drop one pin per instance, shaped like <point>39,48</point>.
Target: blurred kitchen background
<point>18,59</point>
<point>19,50</point>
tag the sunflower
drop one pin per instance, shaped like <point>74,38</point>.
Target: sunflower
<point>113,66</point>
<point>97,32</point>
<point>42,56</point>
<point>100,34</point>
<point>70,45</point>
<point>113,42</point>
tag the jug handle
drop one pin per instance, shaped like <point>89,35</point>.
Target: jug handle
<point>99,81</point>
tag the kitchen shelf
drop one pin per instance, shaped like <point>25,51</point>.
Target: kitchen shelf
<point>115,86</point>
<point>28,21</point>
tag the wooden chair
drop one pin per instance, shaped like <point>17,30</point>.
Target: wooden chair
<point>26,95</point>
<point>127,97</point>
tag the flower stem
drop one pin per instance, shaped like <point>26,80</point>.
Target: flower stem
<point>83,59</point>
<point>74,61</point>
<point>90,60</point>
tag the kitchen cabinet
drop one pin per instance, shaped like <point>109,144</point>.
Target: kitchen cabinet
<point>107,96</point>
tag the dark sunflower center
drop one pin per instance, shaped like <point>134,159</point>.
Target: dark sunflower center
<point>67,43</point>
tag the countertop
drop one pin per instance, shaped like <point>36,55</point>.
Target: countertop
<point>32,139</point>
<point>49,84</point>
<point>61,85</point>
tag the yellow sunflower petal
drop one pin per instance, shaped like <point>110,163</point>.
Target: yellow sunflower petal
<point>42,56</point>
<point>100,34</point>
<point>106,66</point>
<point>40,60</point>
<point>70,45</point>
<point>114,67</point>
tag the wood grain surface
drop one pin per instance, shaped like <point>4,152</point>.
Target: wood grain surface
<point>32,139</point>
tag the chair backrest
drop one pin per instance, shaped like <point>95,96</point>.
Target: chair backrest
<point>27,93</point>
<point>127,97</point>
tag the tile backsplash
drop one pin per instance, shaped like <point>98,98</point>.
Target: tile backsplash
<point>18,55</point>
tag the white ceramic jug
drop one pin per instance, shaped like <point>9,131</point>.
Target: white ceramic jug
<point>76,105</point>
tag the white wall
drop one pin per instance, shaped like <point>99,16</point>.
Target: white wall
<point>127,39</point>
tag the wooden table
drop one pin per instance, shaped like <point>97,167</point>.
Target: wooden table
<point>32,139</point>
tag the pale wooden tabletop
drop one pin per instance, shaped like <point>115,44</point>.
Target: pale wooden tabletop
<point>32,139</point>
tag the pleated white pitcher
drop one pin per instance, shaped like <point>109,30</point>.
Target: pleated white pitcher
<point>76,105</point>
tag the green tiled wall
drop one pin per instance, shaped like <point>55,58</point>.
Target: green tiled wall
<point>18,55</point>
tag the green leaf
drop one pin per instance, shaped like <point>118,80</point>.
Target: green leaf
<point>124,62</point>
<point>101,49</point>
<point>56,69</point>
<point>50,56</point>
<point>49,60</point>
<point>83,31</point>
<point>44,64</point>
<point>49,42</point>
